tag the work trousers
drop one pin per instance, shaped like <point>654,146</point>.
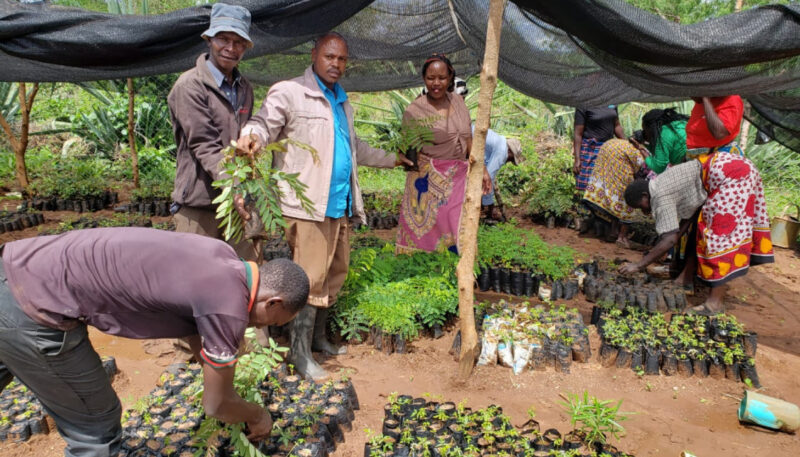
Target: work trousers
<point>322,249</point>
<point>65,373</point>
<point>203,221</point>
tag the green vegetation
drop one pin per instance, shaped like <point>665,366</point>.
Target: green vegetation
<point>251,369</point>
<point>257,182</point>
<point>400,295</point>
<point>509,246</point>
<point>595,419</point>
<point>691,11</point>
<point>717,339</point>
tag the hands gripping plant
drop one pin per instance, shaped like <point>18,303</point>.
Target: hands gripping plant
<point>251,369</point>
<point>253,179</point>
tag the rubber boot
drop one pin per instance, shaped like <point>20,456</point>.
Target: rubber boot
<point>320,341</point>
<point>301,329</point>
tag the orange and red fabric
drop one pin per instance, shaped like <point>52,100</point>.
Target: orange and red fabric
<point>733,226</point>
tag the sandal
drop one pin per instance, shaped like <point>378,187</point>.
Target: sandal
<point>703,310</point>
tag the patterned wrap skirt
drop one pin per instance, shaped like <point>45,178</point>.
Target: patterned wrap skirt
<point>614,169</point>
<point>430,213</point>
<point>733,226</point>
<point>589,150</point>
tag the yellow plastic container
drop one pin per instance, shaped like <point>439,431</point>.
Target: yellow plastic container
<point>785,228</point>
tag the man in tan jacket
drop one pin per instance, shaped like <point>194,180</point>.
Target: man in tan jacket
<point>313,109</point>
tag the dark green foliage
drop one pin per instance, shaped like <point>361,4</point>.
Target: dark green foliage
<point>510,246</point>
<point>156,173</point>
<point>398,294</point>
<point>700,337</point>
<point>71,177</point>
<point>257,180</point>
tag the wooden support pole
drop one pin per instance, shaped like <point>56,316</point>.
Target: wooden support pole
<point>468,239</point>
<point>745,130</point>
<point>132,133</point>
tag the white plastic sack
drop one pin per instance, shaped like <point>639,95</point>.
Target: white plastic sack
<point>544,293</point>
<point>522,355</point>
<point>488,352</point>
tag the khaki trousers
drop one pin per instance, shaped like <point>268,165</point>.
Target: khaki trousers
<point>322,249</point>
<point>203,221</point>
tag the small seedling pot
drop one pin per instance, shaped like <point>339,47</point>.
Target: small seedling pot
<point>608,355</point>
<point>749,371</point>
<point>716,369</point>
<point>732,372</point>
<point>700,368</point>
<point>652,361</point>
<point>624,357</point>
<point>750,343</point>
<point>669,364</point>
<point>484,282</point>
<point>505,280</point>
<point>685,367</point>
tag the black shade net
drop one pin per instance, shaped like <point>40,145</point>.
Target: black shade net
<point>570,52</point>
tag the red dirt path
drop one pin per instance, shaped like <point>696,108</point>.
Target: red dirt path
<point>673,414</point>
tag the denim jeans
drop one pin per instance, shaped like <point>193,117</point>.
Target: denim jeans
<point>65,373</point>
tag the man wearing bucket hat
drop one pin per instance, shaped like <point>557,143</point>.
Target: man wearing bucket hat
<point>498,151</point>
<point>209,105</point>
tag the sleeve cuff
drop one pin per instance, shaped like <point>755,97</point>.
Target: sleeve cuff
<point>248,129</point>
<point>218,362</point>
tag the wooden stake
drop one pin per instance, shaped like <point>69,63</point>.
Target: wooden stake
<point>470,213</point>
<point>132,134</point>
<point>745,130</point>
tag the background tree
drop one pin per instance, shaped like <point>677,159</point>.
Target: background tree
<point>19,143</point>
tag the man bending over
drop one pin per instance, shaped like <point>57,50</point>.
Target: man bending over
<point>135,283</point>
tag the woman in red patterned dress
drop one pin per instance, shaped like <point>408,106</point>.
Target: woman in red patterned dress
<point>724,194</point>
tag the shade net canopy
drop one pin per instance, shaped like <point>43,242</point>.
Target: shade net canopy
<point>570,52</point>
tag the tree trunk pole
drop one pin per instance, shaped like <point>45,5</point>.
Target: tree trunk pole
<point>21,145</point>
<point>468,238</point>
<point>745,130</point>
<point>132,134</point>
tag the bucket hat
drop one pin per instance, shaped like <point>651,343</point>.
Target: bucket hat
<point>229,18</point>
<point>515,147</point>
<point>460,87</point>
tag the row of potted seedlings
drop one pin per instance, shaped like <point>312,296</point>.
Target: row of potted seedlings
<point>527,284</point>
<point>521,336</point>
<point>12,221</point>
<point>686,345</point>
<point>88,223</point>
<point>642,233</point>
<point>641,291</point>
<point>309,419</point>
<point>166,422</point>
<point>379,220</point>
<point>418,427</point>
<point>150,206</point>
<point>21,414</point>
<point>81,205</point>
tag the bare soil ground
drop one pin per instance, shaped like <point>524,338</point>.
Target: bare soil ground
<point>672,414</point>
